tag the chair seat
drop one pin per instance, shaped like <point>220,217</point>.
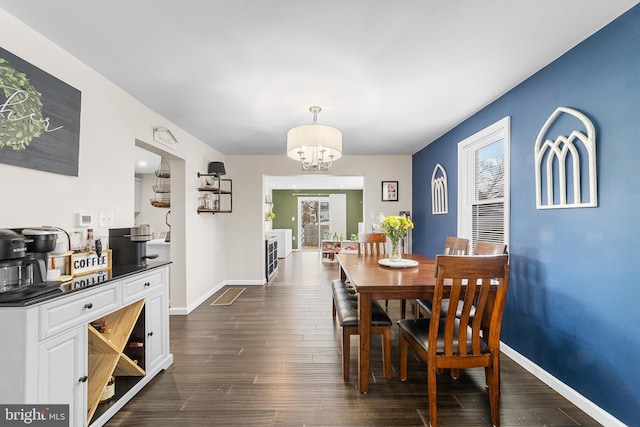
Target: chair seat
<point>418,330</point>
<point>346,305</point>
<point>347,311</point>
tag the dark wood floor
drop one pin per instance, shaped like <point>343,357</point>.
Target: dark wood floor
<point>273,358</point>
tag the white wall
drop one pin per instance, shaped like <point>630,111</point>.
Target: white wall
<point>245,234</point>
<point>111,123</point>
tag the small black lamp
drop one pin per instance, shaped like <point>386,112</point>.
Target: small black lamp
<point>216,168</point>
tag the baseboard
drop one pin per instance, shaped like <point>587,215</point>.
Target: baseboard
<point>244,282</point>
<point>182,311</point>
<point>593,410</point>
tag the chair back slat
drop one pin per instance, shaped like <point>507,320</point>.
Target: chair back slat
<point>472,280</point>
<point>371,243</point>
<point>456,246</point>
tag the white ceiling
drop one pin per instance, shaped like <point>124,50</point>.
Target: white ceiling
<point>391,75</point>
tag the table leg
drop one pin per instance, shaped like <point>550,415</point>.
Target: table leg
<point>364,330</point>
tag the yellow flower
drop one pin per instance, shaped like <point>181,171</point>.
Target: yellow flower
<point>395,227</point>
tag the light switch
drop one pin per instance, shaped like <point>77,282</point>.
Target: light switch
<point>106,219</point>
<point>293,218</point>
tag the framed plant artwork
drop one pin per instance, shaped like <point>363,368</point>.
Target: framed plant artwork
<point>39,118</point>
<point>389,191</point>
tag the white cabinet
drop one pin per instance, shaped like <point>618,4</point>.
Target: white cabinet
<point>284,238</point>
<point>46,351</point>
<point>156,321</point>
<point>63,366</point>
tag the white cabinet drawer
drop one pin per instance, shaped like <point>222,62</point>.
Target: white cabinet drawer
<point>136,287</point>
<point>67,312</point>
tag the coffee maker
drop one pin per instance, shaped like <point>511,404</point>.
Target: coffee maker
<point>14,272</point>
<point>40,241</point>
<point>129,246</point>
<point>23,263</point>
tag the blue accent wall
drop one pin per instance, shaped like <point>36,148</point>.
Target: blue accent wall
<point>573,306</point>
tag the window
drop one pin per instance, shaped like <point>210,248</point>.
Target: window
<point>483,185</point>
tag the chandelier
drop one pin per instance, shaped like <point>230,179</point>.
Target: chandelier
<point>314,146</point>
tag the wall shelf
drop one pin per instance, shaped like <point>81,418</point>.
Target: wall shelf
<point>219,197</point>
<point>162,188</point>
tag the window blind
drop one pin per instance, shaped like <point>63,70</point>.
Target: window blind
<point>488,205</point>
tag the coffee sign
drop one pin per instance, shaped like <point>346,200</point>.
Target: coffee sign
<point>89,262</point>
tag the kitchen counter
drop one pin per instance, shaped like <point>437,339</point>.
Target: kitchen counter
<point>48,291</point>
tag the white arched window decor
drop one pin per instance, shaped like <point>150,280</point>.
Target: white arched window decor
<point>439,191</point>
<point>559,169</point>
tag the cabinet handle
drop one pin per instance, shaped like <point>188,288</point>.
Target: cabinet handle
<point>88,306</point>
<point>150,334</point>
<point>147,284</point>
<point>83,379</point>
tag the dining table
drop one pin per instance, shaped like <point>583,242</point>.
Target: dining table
<point>374,280</point>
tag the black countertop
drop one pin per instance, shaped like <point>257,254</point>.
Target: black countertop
<point>42,292</point>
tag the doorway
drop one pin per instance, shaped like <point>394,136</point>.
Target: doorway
<point>314,222</point>
<point>177,219</point>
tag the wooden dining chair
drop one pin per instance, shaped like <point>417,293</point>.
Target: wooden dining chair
<point>452,246</point>
<point>375,244</point>
<point>456,246</point>
<point>489,248</point>
<point>478,282</point>
<point>482,248</point>
<point>371,243</point>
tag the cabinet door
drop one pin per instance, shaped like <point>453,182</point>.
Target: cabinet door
<point>63,370</point>
<point>157,329</point>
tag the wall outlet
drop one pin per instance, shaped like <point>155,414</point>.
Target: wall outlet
<point>106,219</point>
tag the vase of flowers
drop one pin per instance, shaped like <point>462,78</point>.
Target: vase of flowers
<point>395,227</point>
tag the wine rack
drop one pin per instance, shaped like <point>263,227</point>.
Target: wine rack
<point>109,351</point>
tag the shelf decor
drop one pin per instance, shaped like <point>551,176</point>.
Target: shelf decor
<point>165,137</point>
<point>219,199</point>
<point>565,167</point>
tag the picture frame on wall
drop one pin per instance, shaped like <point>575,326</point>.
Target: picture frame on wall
<point>389,191</point>
<point>39,118</point>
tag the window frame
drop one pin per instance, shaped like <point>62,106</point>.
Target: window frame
<point>466,175</point>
